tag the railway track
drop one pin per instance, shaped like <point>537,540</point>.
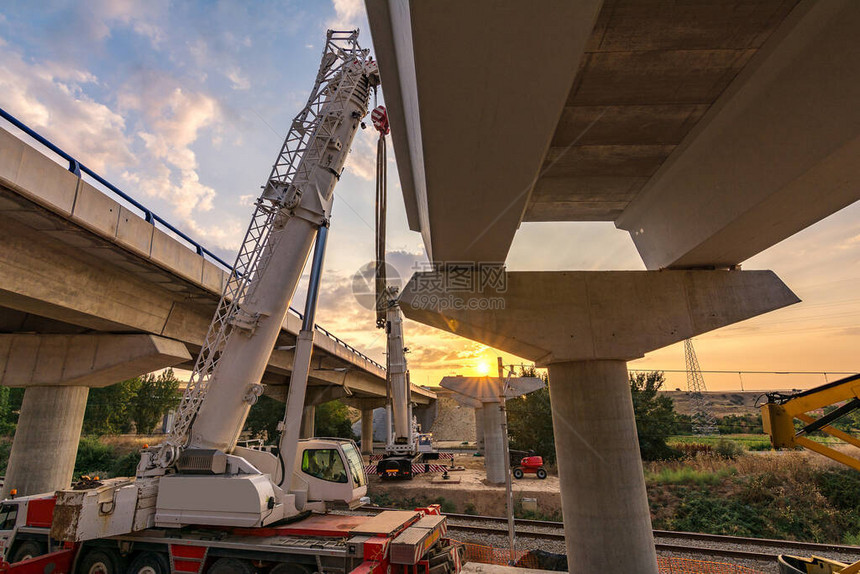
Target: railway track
<point>688,543</point>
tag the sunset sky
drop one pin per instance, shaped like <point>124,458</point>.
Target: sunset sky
<point>185,107</point>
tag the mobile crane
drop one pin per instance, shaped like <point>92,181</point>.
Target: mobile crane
<point>200,503</point>
<point>406,449</point>
<point>780,413</point>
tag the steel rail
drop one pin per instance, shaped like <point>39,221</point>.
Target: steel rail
<point>793,545</point>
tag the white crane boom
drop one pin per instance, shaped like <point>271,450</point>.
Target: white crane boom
<point>294,205</point>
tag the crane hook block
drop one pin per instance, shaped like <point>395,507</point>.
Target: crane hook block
<point>379,117</point>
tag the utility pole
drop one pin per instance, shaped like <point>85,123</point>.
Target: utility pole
<point>704,422</point>
<point>509,490</point>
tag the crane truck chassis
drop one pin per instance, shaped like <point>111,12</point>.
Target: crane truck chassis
<point>412,542</point>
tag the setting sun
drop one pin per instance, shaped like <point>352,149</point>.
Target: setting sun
<point>484,369</point>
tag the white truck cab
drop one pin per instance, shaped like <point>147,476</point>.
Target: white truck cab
<point>24,526</point>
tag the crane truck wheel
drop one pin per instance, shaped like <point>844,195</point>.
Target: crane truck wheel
<point>232,566</point>
<point>149,563</point>
<point>99,561</point>
<point>28,549</point>
<point>289,569</point>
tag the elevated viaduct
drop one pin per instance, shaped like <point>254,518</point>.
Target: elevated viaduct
<point>709,131</point>
<point>91,294</point>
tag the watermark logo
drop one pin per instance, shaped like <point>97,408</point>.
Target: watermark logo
<point>459,286</point>
<point>364,283</point>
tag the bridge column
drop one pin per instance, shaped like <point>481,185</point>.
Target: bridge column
<point>584,326</point>
<point>366,431</point>
<point>599,466</point>
<point>479,429</point>
<point>308,421</point>
<point>58,371</point>
<point>494,442</point>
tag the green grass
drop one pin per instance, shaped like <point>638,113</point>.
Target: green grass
<point>686,475</point>
<point>748,441</point>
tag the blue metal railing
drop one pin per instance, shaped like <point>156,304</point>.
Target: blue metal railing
<point>78,168</point>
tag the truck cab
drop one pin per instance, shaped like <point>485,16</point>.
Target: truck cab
<point>24,526</point>
<point>330,469</point>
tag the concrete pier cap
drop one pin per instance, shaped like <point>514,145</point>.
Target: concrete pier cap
<point>583,326</point>
<point>561,316</point>
<point>57,372</point>
<point>485,395</point>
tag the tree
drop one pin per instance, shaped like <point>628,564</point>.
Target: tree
<point>263,419</point>
<point>655,415</point>
<point>332,419</point>
<point>530,421</point>
<point>107,409</point>
<point>140,402</point>
<point>154,397</point>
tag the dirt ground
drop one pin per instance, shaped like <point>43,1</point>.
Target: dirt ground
<point>472,494</point>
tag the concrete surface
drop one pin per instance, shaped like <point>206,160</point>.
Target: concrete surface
<point>308,421</point>
<point>489,392</point>
<point>84,360</point>
<point>494,443</point>
<point>46,440</point>
<point>708,130</point>
<point>367,431</point>
<point>557,316</point>
<point>607,523</point>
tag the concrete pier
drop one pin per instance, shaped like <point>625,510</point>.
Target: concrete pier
<point>367,431</point>
<point>485,395</point>
<point>479,430</point>
<point>46,440</point>
<point>58,371</point>
<point>308,421</point>
<point>600,468</point>
<point>584,326</point>
<point>494,443</point>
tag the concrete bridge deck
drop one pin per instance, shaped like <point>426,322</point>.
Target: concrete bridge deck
<point>75,261</point>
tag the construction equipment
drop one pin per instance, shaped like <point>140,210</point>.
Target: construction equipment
<point>407,450</point>
<point>782,414</point>
<point>782,409</point>
<point>199,501</point>
<point>532,464</point>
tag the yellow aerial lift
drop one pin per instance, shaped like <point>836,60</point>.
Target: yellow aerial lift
<point>778,418</point>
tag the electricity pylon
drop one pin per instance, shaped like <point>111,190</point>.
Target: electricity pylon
<point>704,422</point>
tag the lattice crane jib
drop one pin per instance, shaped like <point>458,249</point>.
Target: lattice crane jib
<point>317,141</point>
<point>704,422</point>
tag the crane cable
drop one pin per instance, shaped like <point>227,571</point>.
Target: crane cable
<point>379,117</point>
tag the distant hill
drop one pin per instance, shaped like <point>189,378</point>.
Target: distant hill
<point>723,403</point>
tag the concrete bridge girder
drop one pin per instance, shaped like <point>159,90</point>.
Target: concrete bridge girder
<point>584,326</point>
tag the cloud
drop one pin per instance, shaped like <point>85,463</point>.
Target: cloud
<point>172,119</point>
<point>361,160</point>
<point>50,98</point>
<point>100,16</point>
<point>347,14</point>
<point>238,80</point>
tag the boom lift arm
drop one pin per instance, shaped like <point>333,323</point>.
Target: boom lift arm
<point>781,410</point>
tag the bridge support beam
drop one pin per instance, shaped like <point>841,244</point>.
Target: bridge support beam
<point>584,326</point>
<point>599,465</point>
<point>479,430</point>
<point>367,431</point>
<point>58,371</point>
<point>494,443</point>
<point>309,421</point>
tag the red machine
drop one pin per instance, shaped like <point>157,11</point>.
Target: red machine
<point>530,465</point>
